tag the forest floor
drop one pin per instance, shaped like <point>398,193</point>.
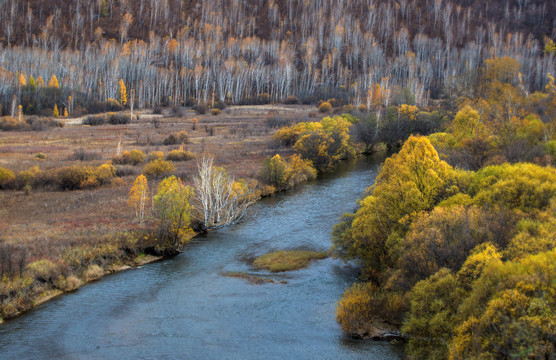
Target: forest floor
<point>49,223</point>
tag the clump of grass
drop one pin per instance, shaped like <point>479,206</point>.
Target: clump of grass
<point>288,260</point>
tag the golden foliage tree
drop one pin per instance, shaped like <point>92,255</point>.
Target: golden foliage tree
<point>53,82</point>
<point>173,210</point>
<point>22,81</point>
<point>55,112</point>
<point>138,196</point>
<point>122,92</point>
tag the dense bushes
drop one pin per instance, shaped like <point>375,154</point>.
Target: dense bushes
<point>110,118</point>
<point>454,251</point>
<point>324,143</point>
<point>64,178</point>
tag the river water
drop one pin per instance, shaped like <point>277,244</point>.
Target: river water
<point>185,308</point>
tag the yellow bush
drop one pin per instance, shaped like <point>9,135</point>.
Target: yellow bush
<point>325,107</point>
<point>215,111</point>
<point>72,177</point>
<point>155,155</point>
<point>132,157</point>
<point>26,177</point>
<point>158,168</point>
<point>6,178</point>
<point>180,155</point>
<point>104,173</point>
<point>353,311</point>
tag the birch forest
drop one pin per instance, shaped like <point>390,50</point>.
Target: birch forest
<point>181,52</point>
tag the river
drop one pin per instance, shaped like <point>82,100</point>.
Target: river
<point>185,308</point>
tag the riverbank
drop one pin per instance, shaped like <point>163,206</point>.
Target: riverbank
<point>63,233</point>
<point>187,306</point>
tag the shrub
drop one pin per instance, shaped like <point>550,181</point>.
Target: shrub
<point>84,155</point>
<point>118,119</point>
<point>44,270</point>
<point>104,173</point>
<point>215,111</point>
<point>180,155</point>
<point>354,312</point>
<point>158,168</point>
<point>263,99</point>
<point>71,177</point>
<point>41,124</point>
<point>6,178</point>
<point>176,137</point>
<point>94,120</point>
<point>125,170</point>
<point>67,284</point>
<point>26,177</point>
<point>114,105</point>
<point>349,108</point>
<point>200,109</point>
<point>154,155</point>
<point>291,100</point>
<point>8,123</point>
<point>219,105</point>
<point>132,157</point>
<point>93,272</point>
<point>325,107</point>
<point>40,156</point>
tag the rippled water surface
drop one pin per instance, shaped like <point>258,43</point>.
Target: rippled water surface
<point>184,308</point>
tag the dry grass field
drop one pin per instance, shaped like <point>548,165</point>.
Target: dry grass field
<point>74,230</point>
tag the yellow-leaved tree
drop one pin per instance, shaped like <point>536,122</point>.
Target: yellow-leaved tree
<point>411,181</point>
<point>53,82</point>
<point>55,112</point>
<point>22,81</point>
<point>138,196</point>
<point>172,208</point>
<point>123,92</point>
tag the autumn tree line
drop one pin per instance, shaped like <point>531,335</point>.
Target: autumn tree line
<point>181,52</point>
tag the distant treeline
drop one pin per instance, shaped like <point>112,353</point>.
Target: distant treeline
<point>181,52</point>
